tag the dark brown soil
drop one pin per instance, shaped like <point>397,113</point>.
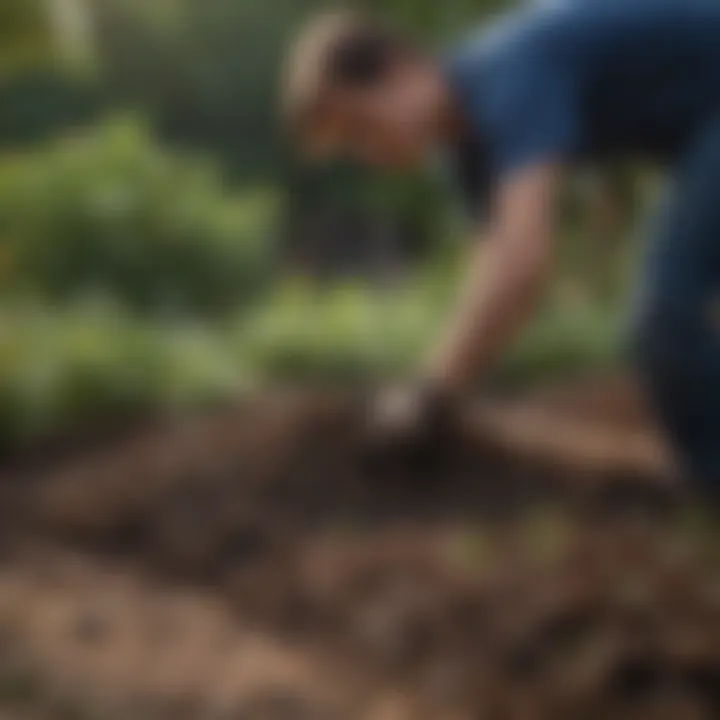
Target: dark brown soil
<point>251,564</point>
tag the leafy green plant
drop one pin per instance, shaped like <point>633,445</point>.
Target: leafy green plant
<point>353,332</point>
<point>93,363</point>
<point>64,370</point>
<point>111,211</point>
<point>346,332</point>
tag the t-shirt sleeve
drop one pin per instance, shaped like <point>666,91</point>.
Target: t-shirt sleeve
<point>536,119</point>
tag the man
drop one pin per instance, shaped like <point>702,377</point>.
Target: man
<point>544,89</point>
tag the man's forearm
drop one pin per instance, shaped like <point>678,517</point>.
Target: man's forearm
<point>501,290</point>
<point>505,277</point>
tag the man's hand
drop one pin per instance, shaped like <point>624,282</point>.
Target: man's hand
<point>399,412</point>
<point>412,429</point>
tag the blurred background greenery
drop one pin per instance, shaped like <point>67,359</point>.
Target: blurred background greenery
<point>160,249</point>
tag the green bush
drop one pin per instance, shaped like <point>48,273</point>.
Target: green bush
<point>62,371</point>
<point>572,333</point>
<point>351,332</point>
<point>342,333</point>
<point>113,212</point>
<point>93,363</point>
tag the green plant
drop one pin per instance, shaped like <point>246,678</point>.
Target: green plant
<point>353,332</point>
<point>346,332</point>
<point>111,211</point>
<point>89,364</point>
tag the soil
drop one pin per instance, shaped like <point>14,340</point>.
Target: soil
<point>252,564</point>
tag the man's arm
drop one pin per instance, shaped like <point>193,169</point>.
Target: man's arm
<point>506,275</point>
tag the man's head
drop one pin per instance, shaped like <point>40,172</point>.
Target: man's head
<point>353,87</point>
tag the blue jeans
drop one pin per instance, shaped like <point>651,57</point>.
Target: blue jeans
<point>677,342</point>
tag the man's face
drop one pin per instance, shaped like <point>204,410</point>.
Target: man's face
<point>390,123</point>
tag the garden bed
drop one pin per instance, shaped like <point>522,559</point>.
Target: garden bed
<point>247,564</point>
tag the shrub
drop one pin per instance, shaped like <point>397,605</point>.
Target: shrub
<point>91,364</point>
<point>345,332</point>
<point>351,332</point>
<point>112,211</point>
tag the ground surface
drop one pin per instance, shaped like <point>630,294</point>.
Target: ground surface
<point>249,564</point>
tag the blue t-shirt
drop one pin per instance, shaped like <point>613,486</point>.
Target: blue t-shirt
<point>585,79</point>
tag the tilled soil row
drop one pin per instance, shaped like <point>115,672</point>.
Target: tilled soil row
<point>546,618</point>
<point>452,591</point>
<point>237,478</point>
